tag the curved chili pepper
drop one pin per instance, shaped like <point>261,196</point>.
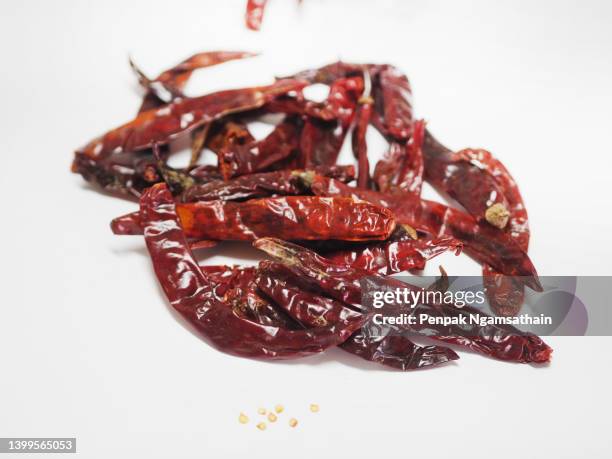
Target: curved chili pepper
<point>463,180</point>
<point>483,242</point>
<point>312,310</point>
<point>170,83</point>
<point>343,283</point>
<point>504,293</point>
<point>402,166</point>
<point>160,126</point>
<point>190,292</point>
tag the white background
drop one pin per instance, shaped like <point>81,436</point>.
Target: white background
<point>88,345</point>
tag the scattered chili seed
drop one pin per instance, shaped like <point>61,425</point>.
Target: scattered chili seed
<point>314,407</point>
<point>293,422</point>
<point>261,426</point>
<point>243,418</point>
<point>272,417</point>
<point>279,408</point>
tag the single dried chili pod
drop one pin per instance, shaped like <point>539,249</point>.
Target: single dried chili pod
<point>290,217</point>
<point>190,292</point>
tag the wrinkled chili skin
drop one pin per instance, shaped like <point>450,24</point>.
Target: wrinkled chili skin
<point>159,126</point>
<point>393,105</point>
<point>505,294</point>
<point>190,292</point>
<point>343,283</point>
<point>402,166</point>
<point>264,184</point>
<point>170,83</point>
<point>321,141</point>
<point>261,155</point>
<point>462,179</point>
<point>313,310</point>
<point>400,253</point>
<point>291,217</point>
<point>483,242</point>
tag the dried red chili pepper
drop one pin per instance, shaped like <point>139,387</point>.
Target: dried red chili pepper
<point>399,253</point>
<point>313,310</point>
<point>402,166</point>
<point>392,95</point>
<point>463,180</point>
<point>483,242</point>
<point>265,184</point>
<point>291,217</point>
<point>343,283</point>
<point>159,126</point>
<point>486,189</point>
<point>321,141</point>
<point>190,292</point>
<point>258,156</point>
<point>504,293</point>
<point>170,83</point>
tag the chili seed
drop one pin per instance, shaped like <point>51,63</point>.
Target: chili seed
<point>261,426</point>
<point>243,418</point>
<point>314,407</point>
<point>262,411</point>
<point>293,422</point>
<point>272,417</point>
<point>279,408</point>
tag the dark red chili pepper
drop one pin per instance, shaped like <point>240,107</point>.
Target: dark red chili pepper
<point>463,180</point>
<point>313,310</point>
<point>483,242</point>
<point>321,141</point>
<point>402,166</point>
<point>159,126</point>
<point>190,292</point>
<point>343,283</point>
<point>399,253</point>
<point>504,293</point>
<point>265,184</point>
<point>170,83</point>
<point>392,95</point>
<point>291,217</point>
<point>258,156</point>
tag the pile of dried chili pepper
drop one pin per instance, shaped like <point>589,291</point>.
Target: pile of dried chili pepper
<point>287,194</point>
